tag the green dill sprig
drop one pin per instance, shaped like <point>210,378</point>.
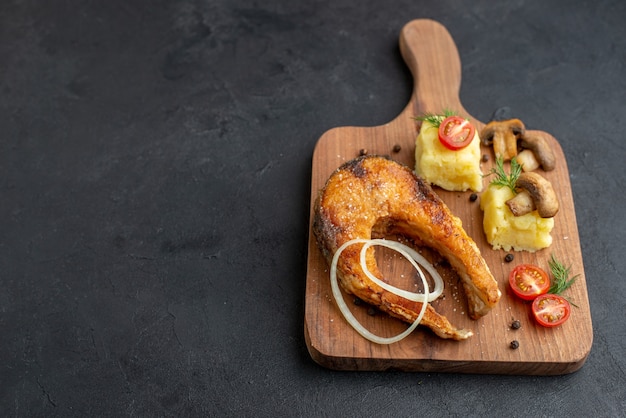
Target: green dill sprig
<point>502,179</point>
<point>561,274</point>
<point>435,120</point>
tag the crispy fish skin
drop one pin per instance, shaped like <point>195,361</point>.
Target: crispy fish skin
<point>374,193</point>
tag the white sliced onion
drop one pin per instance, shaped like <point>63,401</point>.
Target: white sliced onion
<point>410,254</point>
<point>346,311</point>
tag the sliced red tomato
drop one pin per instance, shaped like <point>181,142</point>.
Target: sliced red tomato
<point>528,281</point>
<point>456,133</point>
<point>551,310</point>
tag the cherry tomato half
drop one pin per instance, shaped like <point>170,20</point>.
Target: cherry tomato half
<point>551,310</point>
<point>456,133</point>
<point>528,281</point>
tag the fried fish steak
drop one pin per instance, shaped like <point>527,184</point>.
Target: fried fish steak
<point>376,194</point>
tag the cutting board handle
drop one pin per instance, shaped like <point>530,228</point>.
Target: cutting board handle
<point>431,54</point>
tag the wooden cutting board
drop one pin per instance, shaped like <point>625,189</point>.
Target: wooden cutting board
<point>430,53</point>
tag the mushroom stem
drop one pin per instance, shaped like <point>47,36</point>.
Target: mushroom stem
<point>505,145</point>
<point>526,158</point>
<point>521,204</point>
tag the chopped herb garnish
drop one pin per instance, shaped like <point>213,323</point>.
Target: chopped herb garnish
<point>502,179</point>
<point>561,275</point>
<point>435,120</point>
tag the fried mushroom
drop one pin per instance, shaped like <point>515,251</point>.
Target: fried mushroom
<point>541,150</point>
<point>535,192</point>
<point>503,135</point>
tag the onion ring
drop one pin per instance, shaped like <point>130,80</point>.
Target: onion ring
<point>343,307</point>
<point>413,257</point>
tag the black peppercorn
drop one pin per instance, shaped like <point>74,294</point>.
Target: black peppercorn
<point>516,324</point>
<point>473,197</point>
<point>514,344</point>
<point>509,257</point>
<point>485,158</point>
<point>362,151</point>
<point>357,301</point>
<point>397,148</point>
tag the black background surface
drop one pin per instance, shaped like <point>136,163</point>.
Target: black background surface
<point>155,161</point>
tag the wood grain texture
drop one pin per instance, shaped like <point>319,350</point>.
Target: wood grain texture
<point>431,55</point>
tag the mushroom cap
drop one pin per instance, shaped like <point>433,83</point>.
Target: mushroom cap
<point>515,126</point>
<point>541,191</point>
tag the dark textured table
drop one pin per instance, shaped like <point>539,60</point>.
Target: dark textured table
<point>155,162</point>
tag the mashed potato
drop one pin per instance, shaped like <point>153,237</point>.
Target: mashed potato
<point>506,231</point>
<point>451,170</point>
